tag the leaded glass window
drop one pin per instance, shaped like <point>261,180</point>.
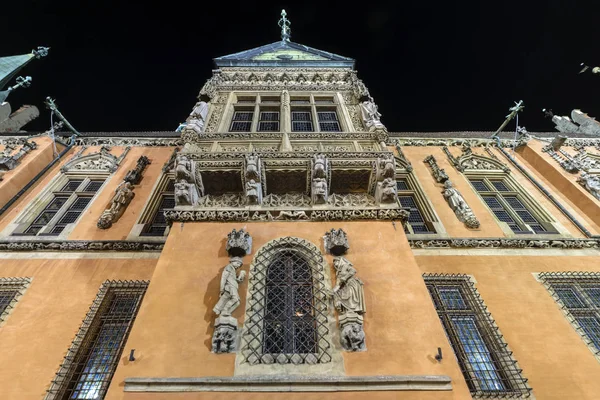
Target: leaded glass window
<point>157,225</point>
<point>578,293</point>
<point>287,308</point>
<point>485,361</point>
<point>92,359</point>
<point>11,289</point>
<point>407,197</point>
<point>508,205</point>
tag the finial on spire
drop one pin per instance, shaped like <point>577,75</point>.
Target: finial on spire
<point>285,23</point>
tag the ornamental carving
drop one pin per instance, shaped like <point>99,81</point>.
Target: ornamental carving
<point>80,245</point>
<point>591,183</point>
<point>468,161</point>
<point>132,142</point>
<point>239,243</point>
<point>224,200</point>
<point>102,160</point>
<point>581,161</point>
<point>118,204</point>
<point>438,173</point>
<point>458,204</point>
<point>505,243</point>
<point>286,200</point>
<point>336,242</point>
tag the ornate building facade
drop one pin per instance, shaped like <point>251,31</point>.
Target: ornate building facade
<point>283,240</point>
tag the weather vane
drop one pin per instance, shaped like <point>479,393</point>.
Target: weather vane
<point>285,23</point>
<point>514,111</point>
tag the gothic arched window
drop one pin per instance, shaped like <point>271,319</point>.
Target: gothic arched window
<point>287,307</point>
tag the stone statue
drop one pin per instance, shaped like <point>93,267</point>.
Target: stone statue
<point>119,202</point>
<point>229,299</point>
<point>370,114</point>
<point>579,123</point>
<point>389,192</point>
<point>320,166</point>
<point>182,193</point>
<point>348,295</point>
<point>319,191</point>
<point>292,215</point>
<point>591,183</point>
<point>253,191</point>
<point>197,117</point>
<point>386,168</point>
<point>459,205</point>
<point>353,337</point>
<point>252,167</point>
<point>183,168</point>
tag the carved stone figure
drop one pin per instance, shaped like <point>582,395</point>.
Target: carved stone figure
<point>579,123</point>
<point>336,242</point>
<point>319,191</point>
<point>370,114</point>
<point>223,340</point>
<point>239,243</point>
<point>459,205</point>
<point>353,337</point>
<point>183,168</point>
<point>438,173</point>
<point>348,294</point>
<point>388,192</point>
<point>134,176</point>
<point>253,192</point>
<point>229,299</point>
<point>183,193</point>
<point>386,168</point>
<point>119,202</point>
<point>197,118</point>
<point>591,183</point>
<point>252,167</point>
<point>292,215</point>
<point>320,166</point>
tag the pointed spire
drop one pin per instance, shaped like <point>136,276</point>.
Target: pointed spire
<point>284,23</point>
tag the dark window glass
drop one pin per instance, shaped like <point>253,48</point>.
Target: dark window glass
<point>158,224</point>
<point>328,121</point>
<point>302,121</point>
<point>242,121</point>
<point>93,186</point>
<point>71,185</point>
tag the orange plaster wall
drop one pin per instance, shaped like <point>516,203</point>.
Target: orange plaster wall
<point>30,165</point>
<point>562,184</point>
<point>433,190</point>
<point>172,335</point>
<point>39,331</point>
<point>86,228</point>
<point>551,353</point>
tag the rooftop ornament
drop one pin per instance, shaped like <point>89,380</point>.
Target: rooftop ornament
<point>285,23</point>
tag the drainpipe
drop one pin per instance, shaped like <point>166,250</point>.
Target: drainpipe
<point>38,176</point>
<point>549,195</point>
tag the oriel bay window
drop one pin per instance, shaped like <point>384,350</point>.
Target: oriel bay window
<point>485,361</point>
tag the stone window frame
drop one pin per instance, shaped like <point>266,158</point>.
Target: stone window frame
<point>328,358</point>
<point>15,230</point>
<point>553,227</point>
<point>574,278</point>
<point>285,110</point>
<point>150,208</point>
<point>20,285</point>
<point>432,220</point>
<point>492,337</point>
<point>57,387</point>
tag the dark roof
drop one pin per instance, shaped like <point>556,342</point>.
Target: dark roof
<point>284,54</point>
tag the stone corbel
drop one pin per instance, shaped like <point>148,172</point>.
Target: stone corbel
<point>239,243</point>
<point>438,173</point>
<point>123,195</point>
<point>336,242</point>
<point>349,300</point>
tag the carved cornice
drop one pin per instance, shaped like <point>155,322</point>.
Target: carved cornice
<point>278,136</point>
<point>450,142</point>
<point>129,141</point>
<point>502,243</point>
<point>285,215</point>
<point>80,245</point>
<point>287,155</point>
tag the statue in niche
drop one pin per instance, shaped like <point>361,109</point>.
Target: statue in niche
<point>389,191</point>
<point>591,183</point>
<point>319,190</point>
<point>252,171</point>
<point>182,193</point>
<point>197,117</point>
<point>348,294</point>
<point>320,166</point>
<point>253,191</point>
<point>353,337</point>
<point>459,205</point>
<point>370,114</point>
<point>229,298</point>
<point>183,169</point>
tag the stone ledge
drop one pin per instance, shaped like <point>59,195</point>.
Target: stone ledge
<point>291,384</point>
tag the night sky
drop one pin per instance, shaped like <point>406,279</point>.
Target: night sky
<point>430,65</point>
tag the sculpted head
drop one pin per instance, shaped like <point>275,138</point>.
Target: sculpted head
<point>340,262</point>
<point>236,262</point>
<point>448,184</point>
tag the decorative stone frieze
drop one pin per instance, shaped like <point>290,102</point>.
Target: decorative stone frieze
<point>468,161</point>
<point>438,173</point>
<point>225,336</point>
<point>128,141</point>
<point>101,160</point>
<point>501,243</point>
<point>80,245</point>
<point>458,204</point>
<point>450,142</point>
<point>239,243</point>
<point>349,300</point>
<point>581,161</point>
<point>336,242</point>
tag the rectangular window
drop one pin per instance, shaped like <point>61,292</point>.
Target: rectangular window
<point>486,363</point>
<point>508,206</point>
<point>242,121</point>
<point>66,206</point>
<point>93,357</point>
<point>268,121</point>
<point>579,297</point>
<point>11,290</point>
<point>158,224</point>
<point>406,195</point>
<point>302,120</point>
<point>328,120</point>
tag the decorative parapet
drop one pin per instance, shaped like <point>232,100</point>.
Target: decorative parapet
<point>501,243</point>
<point>336,242</point>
